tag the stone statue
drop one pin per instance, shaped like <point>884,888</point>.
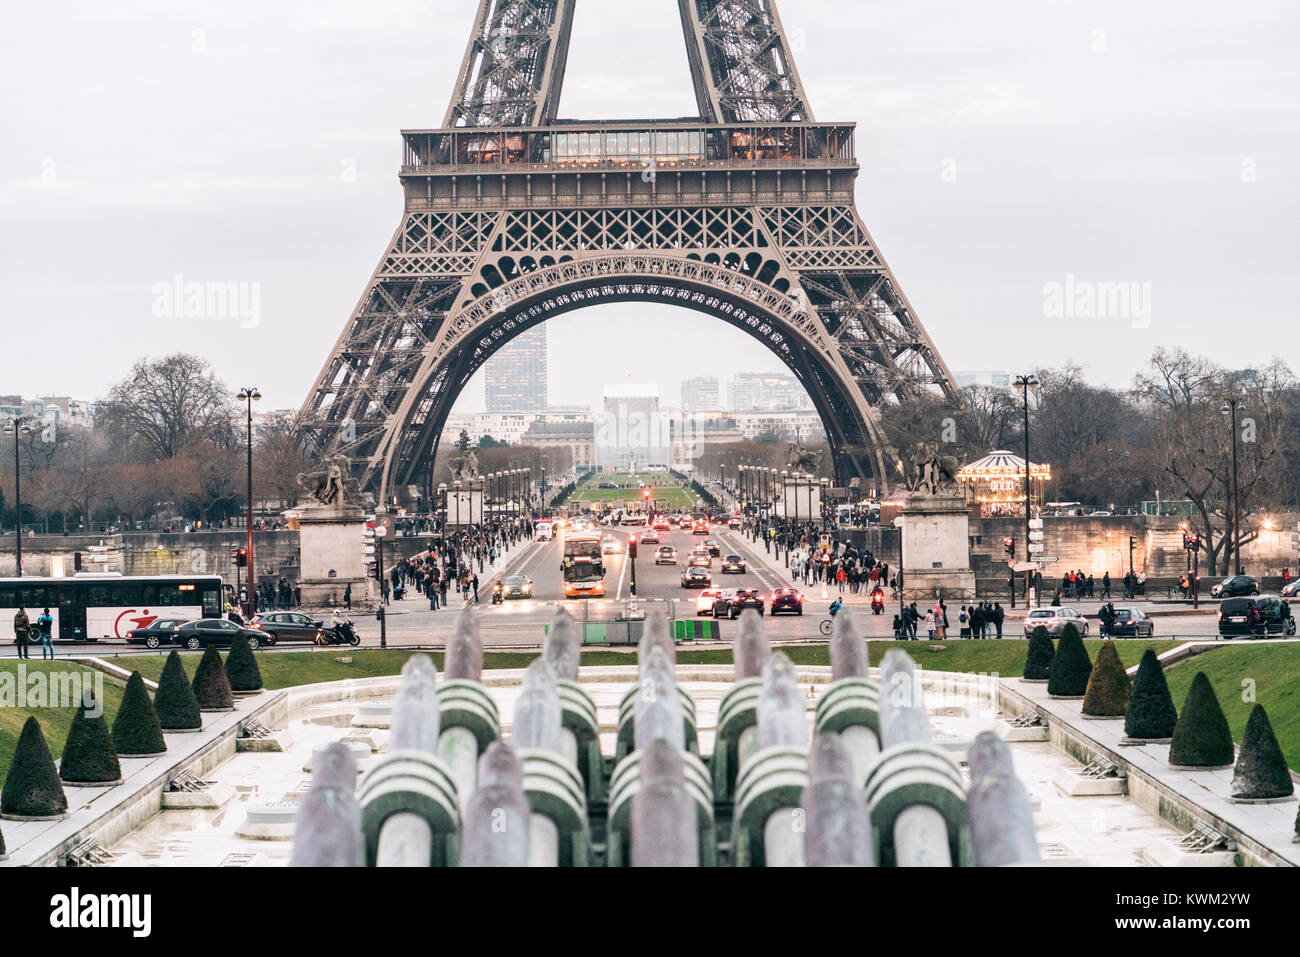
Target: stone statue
<point>464,467</point>
<point>325,486</point>
<point>933,473</point>
<point>800,459</point>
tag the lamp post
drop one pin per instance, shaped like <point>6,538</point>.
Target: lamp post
<point>826,484</point>
<point>381,530</point>
<point>1230,409</point>
<point>442,494</point>
<point>18,425</point>
<point>1024,383</point>
<point>250,395</point>
<point>456,491</point>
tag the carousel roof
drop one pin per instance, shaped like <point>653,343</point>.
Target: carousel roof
<point>1001,463</point>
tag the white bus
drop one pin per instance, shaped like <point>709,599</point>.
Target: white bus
<point>92,606</point>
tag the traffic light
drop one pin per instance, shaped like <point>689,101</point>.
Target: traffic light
<point>631,547</point>
<point>239,557</point>
<point>76,561</point>
<point>1009,544</point>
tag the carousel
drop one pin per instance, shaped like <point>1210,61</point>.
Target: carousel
<point>997,484</point>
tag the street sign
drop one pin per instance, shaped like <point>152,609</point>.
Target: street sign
<point>1035,523</point>
<point>1020,567</point>
<point>1035,536</point>
<point>1035,547</point>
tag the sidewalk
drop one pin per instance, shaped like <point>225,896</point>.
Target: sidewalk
<point>419,602</point>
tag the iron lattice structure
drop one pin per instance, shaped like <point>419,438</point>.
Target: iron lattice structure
<point>513,217</point>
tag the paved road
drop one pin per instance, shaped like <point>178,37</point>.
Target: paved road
<point>520,624</point>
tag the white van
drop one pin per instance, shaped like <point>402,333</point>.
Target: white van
<point>545,531</point>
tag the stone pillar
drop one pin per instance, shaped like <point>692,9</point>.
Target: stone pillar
<point>331,553</point>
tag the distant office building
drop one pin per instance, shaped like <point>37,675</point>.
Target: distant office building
<point>803,427</point>
<point>965,380</point>
<point>766,392</point>
<point>632,431</point>
<point>701,394</point>
<point>516,376</point>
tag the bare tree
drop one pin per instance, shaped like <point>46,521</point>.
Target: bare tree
<point>169,404</point>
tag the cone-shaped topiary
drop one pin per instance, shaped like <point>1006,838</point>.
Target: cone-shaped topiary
<point>241,667</point>
<point>1109,685</point>
<point>1039,657</point>
<point>32,787</point>
<point>211,686</point>
<point>1201,736</point>
<point>1151,714</point>
<point>137,731</point>
<point>174,701</point>
<point>1261,771</point>
<point>3,855</point>
<point>1067,676</point>
<point>88,754</point>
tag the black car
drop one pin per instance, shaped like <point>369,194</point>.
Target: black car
<point>696,576</point>
<point>1235,587</point>
<point>1277,616</point>
<point>787,599</point>
<point>733,601</point>
<point>160,631</point>
<point>286,626</point>
<point>733,563</point>
<point>195,635</point>
<point>1131,623</point>
<point>1274,614</point>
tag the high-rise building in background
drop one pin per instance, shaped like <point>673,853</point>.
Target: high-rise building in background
<point>515,378</point>
<point>701,394</point>
<point>632,431</point>
<point>766,392</point>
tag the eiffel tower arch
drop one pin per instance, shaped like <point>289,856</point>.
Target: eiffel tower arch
<point>513,217</point>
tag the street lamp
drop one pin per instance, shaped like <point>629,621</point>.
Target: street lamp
<point>456,489</point>
<point>826,484</point>
<point>380,531</point>
<point>1024,383</point>
<point>1230,409</point>
<point>18,425</point>
<point>250,395</point>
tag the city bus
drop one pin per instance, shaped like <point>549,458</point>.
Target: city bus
<point>92,606</point>
<point>583,566</point>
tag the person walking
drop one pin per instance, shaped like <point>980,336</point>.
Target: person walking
<point>1105,585</point>
<point>473,584</point>
<point>45,628</point>
<point>976,621</point>
<point>22,631</point>
<point>347,597</point>
<point>929,623</point>
<point>998,617</point>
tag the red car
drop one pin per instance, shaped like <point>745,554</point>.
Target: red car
<point>787,599</point>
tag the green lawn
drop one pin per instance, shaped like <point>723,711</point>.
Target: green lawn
<point>663,486</point>
<point>1271,673</point>
<point>54,721</point>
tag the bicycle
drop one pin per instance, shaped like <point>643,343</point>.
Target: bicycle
<point>827,626</point>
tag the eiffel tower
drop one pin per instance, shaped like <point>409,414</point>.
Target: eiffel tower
<point>513,216</point>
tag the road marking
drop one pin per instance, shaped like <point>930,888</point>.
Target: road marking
<point>758,565</point>
<point>622,574</point>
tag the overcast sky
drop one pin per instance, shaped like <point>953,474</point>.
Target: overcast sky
<point>1004,146</point>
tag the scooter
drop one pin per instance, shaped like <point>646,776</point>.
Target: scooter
<point>341,634</point>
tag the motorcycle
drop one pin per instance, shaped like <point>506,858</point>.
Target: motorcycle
<point>341,634</point>
<point>877,602</point>
<point>498,594</point>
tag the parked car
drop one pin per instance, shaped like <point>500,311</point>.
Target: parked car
<point>733,564</point>
<point>161,631</point>
<point>787,600</point>
<point>735,600</point>
<point>1235,587</point>
<point>1055,620</point>
<point>198,634</point>
<point>1131,623</point>
<point>704,601</point>
<point>666,555</point>
<point>696,577</point>
<point>286,626</point>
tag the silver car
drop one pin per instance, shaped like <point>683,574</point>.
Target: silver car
<point>1055,620</point>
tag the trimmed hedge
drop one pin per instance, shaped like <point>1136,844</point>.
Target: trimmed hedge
<point>1261,771</point>
<point>1201,737</point>
<point>241,666</point>
<point>174,701</point>
<point>1068,673</point>
<point>88,754</point>
<point>1151,712</point>
<point>137,729</point>
<point>1109,685</point>
<point>1038,660</point>
<point>3,855</point>
<point>32,787</point>
<point>211,686</point>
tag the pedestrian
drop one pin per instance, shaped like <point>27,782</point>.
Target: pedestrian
<point>297,596</point>
<point>976,621</point>
<point>474,586</point>
<point>1105,585</point>
<point>998,617</point>
<point>963,625</point>
<point>347,597</point>
<point>929,623</point>
<point>898,628</point>
<point>22,631</point>
<point>45,627</point>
